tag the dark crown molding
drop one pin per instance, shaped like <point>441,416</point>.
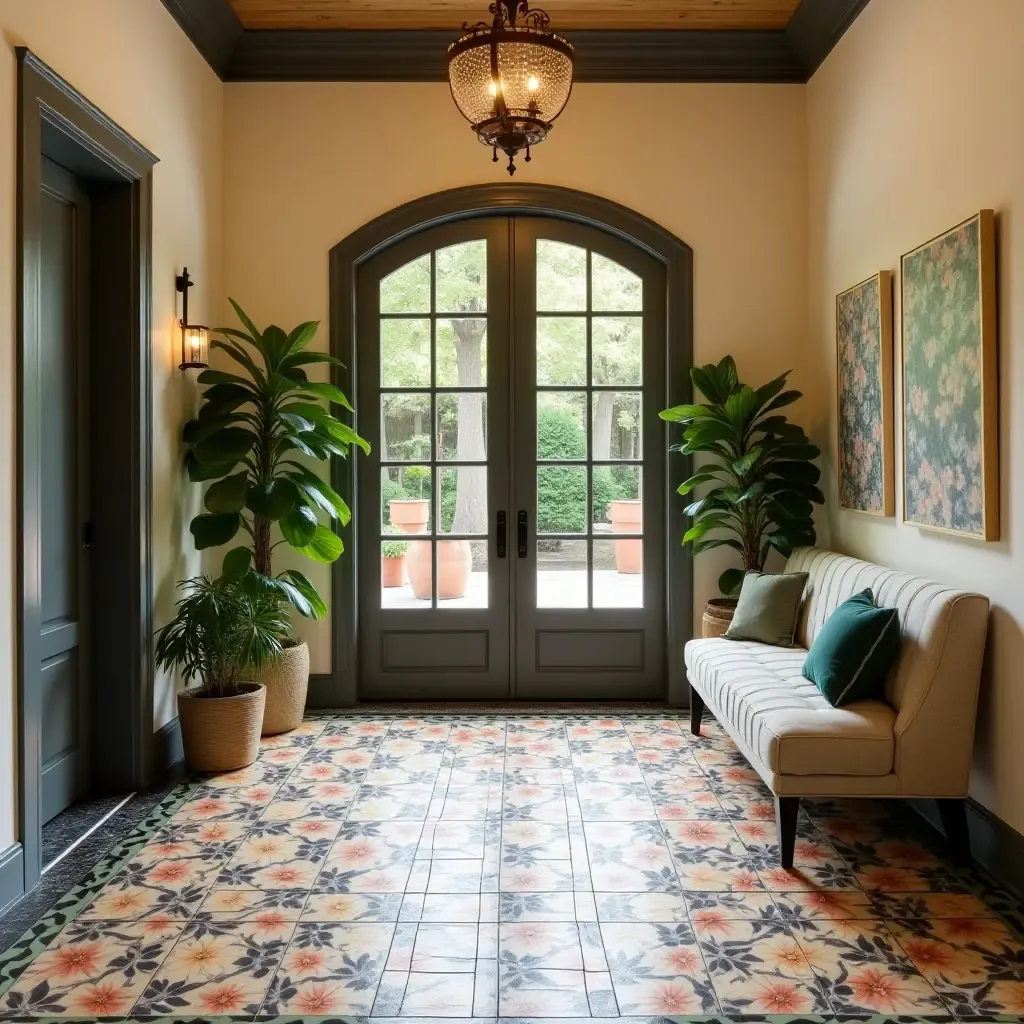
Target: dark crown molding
<point>248,55</point>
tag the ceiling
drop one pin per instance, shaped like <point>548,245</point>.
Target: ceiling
<point>565,14</point>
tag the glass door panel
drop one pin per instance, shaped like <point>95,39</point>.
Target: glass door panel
<point>589,581</point>
<point>428,320</point>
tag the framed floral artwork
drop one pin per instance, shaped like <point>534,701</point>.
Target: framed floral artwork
<point>864,376</point>
<point>950,387</point>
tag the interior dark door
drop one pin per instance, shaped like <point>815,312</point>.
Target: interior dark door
<point>64,491</point>
<point>433,395</point>
<point>590,378</point>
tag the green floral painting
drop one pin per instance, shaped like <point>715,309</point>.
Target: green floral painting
<point>864,350</point>
<point>949,436</point>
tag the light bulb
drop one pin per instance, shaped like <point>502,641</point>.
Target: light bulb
<point>492,87</point>
<point>532,84</point>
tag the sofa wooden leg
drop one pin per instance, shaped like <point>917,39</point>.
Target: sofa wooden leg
<point>696,711</point>
<point>954,823</point>
<point>786,808</point>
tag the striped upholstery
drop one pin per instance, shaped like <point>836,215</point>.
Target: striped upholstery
<point>916,743</point>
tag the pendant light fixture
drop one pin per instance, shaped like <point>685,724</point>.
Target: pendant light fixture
<point>511,78</point>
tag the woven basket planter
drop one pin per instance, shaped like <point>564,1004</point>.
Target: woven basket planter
<point>286,680</point>
<point>717,616</point>
<point>221,734</point>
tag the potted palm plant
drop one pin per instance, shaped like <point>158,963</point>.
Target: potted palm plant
<point>762,482</point>
<point>221,636</point>
<point>252,440</point>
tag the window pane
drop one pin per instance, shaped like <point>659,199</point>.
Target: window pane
<point>561,276</point>
<point>405,353</point>
<point>618,574</point>
<point>562,350</point>
<point>476,595</point>
<point>613,287</point>
<point>407,289</point>
<point>462,277</point>
<point>406,581</point>
<point>405,427</point>
<point>617,505</point>
<point>462,426</point>
<point>463,499</point>
<point>616,425</point>
<point>561,574</point>
<point>405,499</point>
<point>461,353</point>
<point>561,499</point>
<point>561,425</point>
<point>617,350</point>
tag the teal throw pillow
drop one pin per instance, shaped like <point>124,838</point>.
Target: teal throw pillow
<point>854,650</point>
<point>767,608</point>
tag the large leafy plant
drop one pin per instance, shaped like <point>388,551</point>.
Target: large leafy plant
<point>763,483</point>
<point>221,634</point>
<point>253,431</point>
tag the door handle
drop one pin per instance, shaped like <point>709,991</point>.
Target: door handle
<point>521,538</point>
<point>502,535</point>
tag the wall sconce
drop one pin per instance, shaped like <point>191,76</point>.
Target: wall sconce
<point>195,338</point>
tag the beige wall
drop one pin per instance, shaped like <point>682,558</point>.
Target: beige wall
<point>130,59</point>
<point>721,166</point>
<point>914,124</point>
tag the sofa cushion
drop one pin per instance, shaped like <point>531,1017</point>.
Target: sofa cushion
<point>781,718</point>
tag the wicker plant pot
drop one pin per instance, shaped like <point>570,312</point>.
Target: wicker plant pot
<point>286,680</point>
<point>221,734</point>
<point>717,616</point>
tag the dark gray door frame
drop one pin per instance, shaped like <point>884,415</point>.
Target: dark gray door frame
<point>56,121</point>
<point>339,687</point>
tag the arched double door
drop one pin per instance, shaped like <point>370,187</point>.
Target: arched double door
<point>511,517</point>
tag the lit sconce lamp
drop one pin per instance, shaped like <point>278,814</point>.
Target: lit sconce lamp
<point>195,338</point>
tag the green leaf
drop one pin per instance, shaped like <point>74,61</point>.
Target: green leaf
<point>298,526</point>
<point>786,398</point>
<point>308,591</point>
<point>240,356</point>
<point>325,546</point>
<point>218,377</point>
<point>227,445</point>
<point>802,472</point>
<point>227,393</point>
<point>210,531</point>
<point>727,375</point>
<point>246,322</point>
<point>227,495</point>
<point>301,336</point>
<point>306,358</point>
<point>705,525</point>
<point>236,563</point>
<point>201,471</point>
<point>272,500</point>
<point>793,505</point>
<point>741,467</point>
<point>696,480</point>
<point>282,588</point>
<point>195,430</point>
<point>716,542</point>
<point>730,581</point>
<point>705,380</point>
<point>684,412</point>
<point>740,405</point>
<point>704,431</point>
<point>296,423</point>
<point>322,493</point>
<point>768,391</point>
<point>793,452</point>
<point>328,391</point>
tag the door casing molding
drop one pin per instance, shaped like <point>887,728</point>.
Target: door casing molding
<point>58,122</point>
<point>339,687</point>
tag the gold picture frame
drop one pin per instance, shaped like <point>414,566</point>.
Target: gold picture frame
<point>864,397</point>
<point>950,395</point>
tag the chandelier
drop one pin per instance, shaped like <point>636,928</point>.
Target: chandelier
<point>511,78</point>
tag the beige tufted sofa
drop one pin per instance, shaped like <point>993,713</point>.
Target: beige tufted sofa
<point>914,743</point>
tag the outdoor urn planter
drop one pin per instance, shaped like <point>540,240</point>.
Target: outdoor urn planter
<point>454,557</point>
<point>221,734</point>
<point>286,681</point>
<point>626,515</point>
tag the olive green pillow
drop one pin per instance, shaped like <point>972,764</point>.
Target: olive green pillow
<point>768,607</point>
<point>853,652</point>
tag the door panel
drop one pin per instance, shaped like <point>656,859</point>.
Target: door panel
<point>589,465</point>
<point>433,399</point>
<point>64,490</point>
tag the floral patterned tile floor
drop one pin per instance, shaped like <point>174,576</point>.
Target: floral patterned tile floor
<point>513,867</point>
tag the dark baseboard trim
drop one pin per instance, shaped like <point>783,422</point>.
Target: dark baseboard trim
<point>324,692</point>
<point>12,876</point>
<point>994,845</point>
<point>168,752</point>
<point>679,55</point>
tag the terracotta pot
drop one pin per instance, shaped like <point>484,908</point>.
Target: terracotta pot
<point>392,571</point>
<point>454,563</point>
<point>287,681</point>
<point>626,516</point>
<point>221,734</point>
<point>410,515</point>
<point>717,616</point>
